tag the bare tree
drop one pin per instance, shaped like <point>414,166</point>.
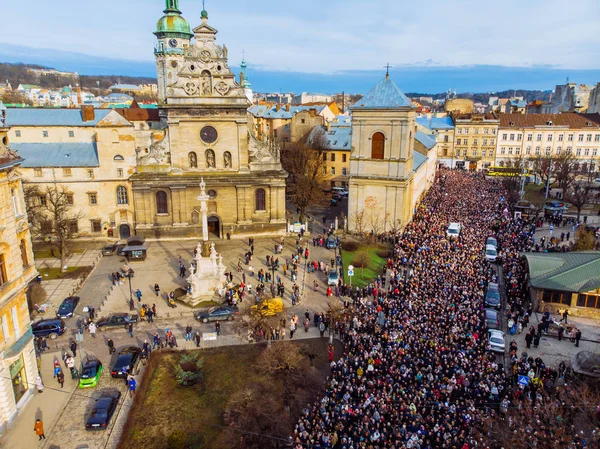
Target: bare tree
<point>542,167</point>
<point>53,206</point>
<point>564,168</point>
<point>305,162</point>
<point>362,260</point>
<point>579,195</point>
<point>360,223</point>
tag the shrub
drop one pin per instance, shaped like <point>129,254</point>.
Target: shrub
<point>350,246</point>
<point>177,440</point>
<point>384,253</point>
<point>189,370</point>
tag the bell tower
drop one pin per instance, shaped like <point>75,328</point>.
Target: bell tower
<point>174,34</point>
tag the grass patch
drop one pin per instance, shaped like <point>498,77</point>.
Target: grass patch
<point>53,253</point>
<point>165,414</point>
<point>71,273</point>
<point>204,304</point>
<point>374,263</point>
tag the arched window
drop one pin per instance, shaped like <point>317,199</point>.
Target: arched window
<point>377,146</point>
<point>162,206</point>
<point>118,157</point>
<point>195,217</point>
<point>260,199</point>
<point>193,159</point>
<point>122,197</point>
<point>24,257</point>
<point>115,136</point>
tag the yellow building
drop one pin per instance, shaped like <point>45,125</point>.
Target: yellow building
<point>18,367</point>
<point>90,151</point>
<point>531,136</point>
<point>475,138</point>
<point>338,139</point>
<point>459,105</point>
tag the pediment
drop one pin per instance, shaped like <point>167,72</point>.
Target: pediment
<point>205,29</point>
<point>14,175</point>
<point>113,118</point>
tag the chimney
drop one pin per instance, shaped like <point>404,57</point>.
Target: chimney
<point>78,94</point>
<point>87,112</point>
<point>277,107</point>
<point>287,107</point>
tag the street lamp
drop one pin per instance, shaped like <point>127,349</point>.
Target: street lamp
<point>129,274</point>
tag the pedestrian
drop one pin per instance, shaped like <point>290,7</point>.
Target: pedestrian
<point>56,367</point>
<point>150,314</point>
<point>322,328</point>
<point>156,289</point>
<point>536,339</point>
<point>132,385</point>
<point>92,329</point>
<point>218,327</point>
<point>154,309</point>
<point>111,346</point>
<point>61,378</point>
<point>197,339</point>
<point>188,332</point>
<point>39,429</point>
<point>138,294</point>
<point>39,384</point>
<point>73,347</point>
<point>565,316</point>
<point>561,331</point>
<point>130,329</point>
<point>292,329</point>
<point>528,339</point>
<point>156,341</point>
<point>577,338</point>
<point>330,351</point>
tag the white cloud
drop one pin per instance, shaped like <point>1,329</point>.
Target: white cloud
<point>328,36</point>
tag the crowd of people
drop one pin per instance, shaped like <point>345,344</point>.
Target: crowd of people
<point>416,372</point>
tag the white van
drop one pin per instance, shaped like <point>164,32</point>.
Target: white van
<point>340,191</point>
<point>453,230</point>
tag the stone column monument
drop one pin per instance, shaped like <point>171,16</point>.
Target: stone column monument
<point>203,198</point>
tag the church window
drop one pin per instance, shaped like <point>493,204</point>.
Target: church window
<point>115,136</point>
<point>118,157</point>
<point>122,197</point>
<point>193,159</point>
<point>377,146</point>
<point>162,206</point>
<point>260,200</point>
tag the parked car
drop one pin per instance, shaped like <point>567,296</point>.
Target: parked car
<point>120,248</point>
<point>492,296</point>
<point>218,313</point>
<point>103,410</point>
<point>115,320</point>
<point>496,340</point>
<point>128,362</point>
<point>331,242</point>
<point>341,191</point>
<point>453,230</point>
<point>491,241</point>
<point>109,250</point>
<point>492,318</point>
<point>67,307</point>
<point>490,253</point>
<point>90,372</point>
<point>332,277</point>
<point>49,328</point>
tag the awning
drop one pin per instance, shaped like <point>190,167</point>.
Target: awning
<point>134,248</point>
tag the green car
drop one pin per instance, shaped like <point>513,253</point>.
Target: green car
<point>90,373</point>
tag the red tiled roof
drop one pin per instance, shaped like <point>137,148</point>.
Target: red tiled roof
<point>566,119</point>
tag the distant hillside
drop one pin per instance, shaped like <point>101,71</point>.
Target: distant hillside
<point>17,74</point>
<point>528,95</point>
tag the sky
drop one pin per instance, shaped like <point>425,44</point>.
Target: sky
<point>326,38</point>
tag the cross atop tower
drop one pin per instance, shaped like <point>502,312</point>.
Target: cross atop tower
<point>387,70</point>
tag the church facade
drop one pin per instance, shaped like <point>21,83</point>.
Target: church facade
<point>204,134</point>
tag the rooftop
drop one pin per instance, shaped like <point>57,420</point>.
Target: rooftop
<point>426,140</point>
<point>52,117</point>
<point>418,160</point>
<point>570,272</point>
<point>436,123</point>
<point>384,95</point>
<point>265,111</point>
<point>566,119</point>
<point>55,154</point>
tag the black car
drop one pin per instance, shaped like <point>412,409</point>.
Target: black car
<point>103,410</point>
<point>128,362</point>
<point>49,328</point>
<point>492,296</point>
<point>116,320</point>
<point>109,250</point>
<point>492,317</point>
<point>67,307</point>
<point>217,314</point>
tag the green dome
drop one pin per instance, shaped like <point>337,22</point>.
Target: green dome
<point>173,23</point>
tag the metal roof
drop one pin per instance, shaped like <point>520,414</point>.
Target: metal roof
<point>39,155</point>
<point>52,117</point>
<point>338,138</point>
<point>418,160</point>
<point>427,140</point>
<point>571,272</point>
<point>264,111</point>
<point>436,122</point>
<point>384,95</point>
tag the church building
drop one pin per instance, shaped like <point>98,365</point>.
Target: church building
<point>204,134</point>
<point>388,176</point>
